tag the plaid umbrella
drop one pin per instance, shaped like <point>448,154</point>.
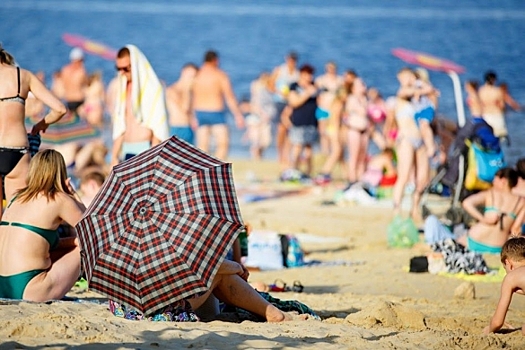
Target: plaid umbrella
<point>160,226</point>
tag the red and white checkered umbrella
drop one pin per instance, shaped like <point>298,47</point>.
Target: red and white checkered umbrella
<point>160,227</point>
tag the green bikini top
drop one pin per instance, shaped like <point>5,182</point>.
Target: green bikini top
<point>511,215</point>
<point>51,236</point>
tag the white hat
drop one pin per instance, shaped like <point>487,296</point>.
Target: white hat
<point>76,54</point>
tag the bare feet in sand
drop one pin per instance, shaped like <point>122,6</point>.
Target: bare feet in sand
<point>273,314</point>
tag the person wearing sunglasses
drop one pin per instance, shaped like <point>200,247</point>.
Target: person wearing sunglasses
<point>140,118</point>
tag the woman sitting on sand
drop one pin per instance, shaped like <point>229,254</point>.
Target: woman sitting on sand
<point>15,85</point>
<point>380,169</point>
<point>35,263</point>
<point>502,216</point>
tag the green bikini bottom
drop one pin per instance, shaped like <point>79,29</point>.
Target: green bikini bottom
<point>13,286</point>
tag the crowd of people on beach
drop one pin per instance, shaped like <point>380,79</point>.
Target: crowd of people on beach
<point>43,206</point>
<point>335,114</point>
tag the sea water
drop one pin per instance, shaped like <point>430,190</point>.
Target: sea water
<point>254,36</point>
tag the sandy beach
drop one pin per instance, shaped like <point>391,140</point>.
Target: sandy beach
<point>371,302</point>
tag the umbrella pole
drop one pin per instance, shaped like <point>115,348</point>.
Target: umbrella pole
<point>458,95</point>
<point>461,122</point>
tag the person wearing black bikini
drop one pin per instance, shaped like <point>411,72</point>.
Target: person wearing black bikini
<point>15,84</point>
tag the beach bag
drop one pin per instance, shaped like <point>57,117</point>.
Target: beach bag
<point>402,233</point>
<point>264,250</point>
<point>482,167</point>
<point>483,135</point>
<point>488,162</point>
<point>292,252</point>
<point>418,264</point>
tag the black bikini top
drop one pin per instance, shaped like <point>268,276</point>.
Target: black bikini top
<point>16,98</point>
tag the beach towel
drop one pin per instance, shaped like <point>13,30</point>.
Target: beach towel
<point>149,106</point>
<point>494,276</point>
<point>459,259</point>
<point>177,312</point>
<point>283,305</point>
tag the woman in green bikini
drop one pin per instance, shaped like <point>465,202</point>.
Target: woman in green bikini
<point>35,264</point>
<point>502,217</point>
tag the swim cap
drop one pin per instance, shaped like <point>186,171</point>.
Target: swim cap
<point>76,54</point>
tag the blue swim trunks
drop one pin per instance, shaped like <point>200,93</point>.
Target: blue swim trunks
<point>131,149</point>
<point>481,248</point>
<point>182,132</point>
<point>210,118</point>
<point>321,114</point>
<point>425,114</point>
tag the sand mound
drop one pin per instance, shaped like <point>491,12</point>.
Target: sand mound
<point>478,343</point>
<point>388,314</point>
<point>53,322</point>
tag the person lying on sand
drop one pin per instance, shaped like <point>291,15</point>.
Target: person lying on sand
<point>513,260</point>
<point>231,287</point>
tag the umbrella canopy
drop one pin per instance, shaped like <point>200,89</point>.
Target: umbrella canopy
<point>90,46</point>
<point>160,226</point>
<point>439,64</point>
<point>71,128</point>
<point>427,61</point>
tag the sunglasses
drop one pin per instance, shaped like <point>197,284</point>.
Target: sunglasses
<point>123,69</point>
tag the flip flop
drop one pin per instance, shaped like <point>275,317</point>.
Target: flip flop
<point>278,286</point>
<point>297,287</point>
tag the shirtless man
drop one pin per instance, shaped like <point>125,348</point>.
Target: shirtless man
<point>211,90</point>
<point>178,102</point>
<point>135,137</point>
<point>493,105</point>
<point>74,80</point>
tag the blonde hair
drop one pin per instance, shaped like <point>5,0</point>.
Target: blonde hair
<point>95,76</point>
<point>47,175</point>
<point>422,74</point>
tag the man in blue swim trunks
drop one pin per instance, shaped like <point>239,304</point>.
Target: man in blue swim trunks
<point>138,123</point>
<point>178,103</point>
<point>211,91</point>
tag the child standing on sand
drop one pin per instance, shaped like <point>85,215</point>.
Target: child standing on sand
<point>513,259</point>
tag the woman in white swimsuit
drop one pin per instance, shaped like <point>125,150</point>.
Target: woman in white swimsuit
<point>411,156</point>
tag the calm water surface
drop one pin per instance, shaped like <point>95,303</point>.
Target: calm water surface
<point>252,36</point>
